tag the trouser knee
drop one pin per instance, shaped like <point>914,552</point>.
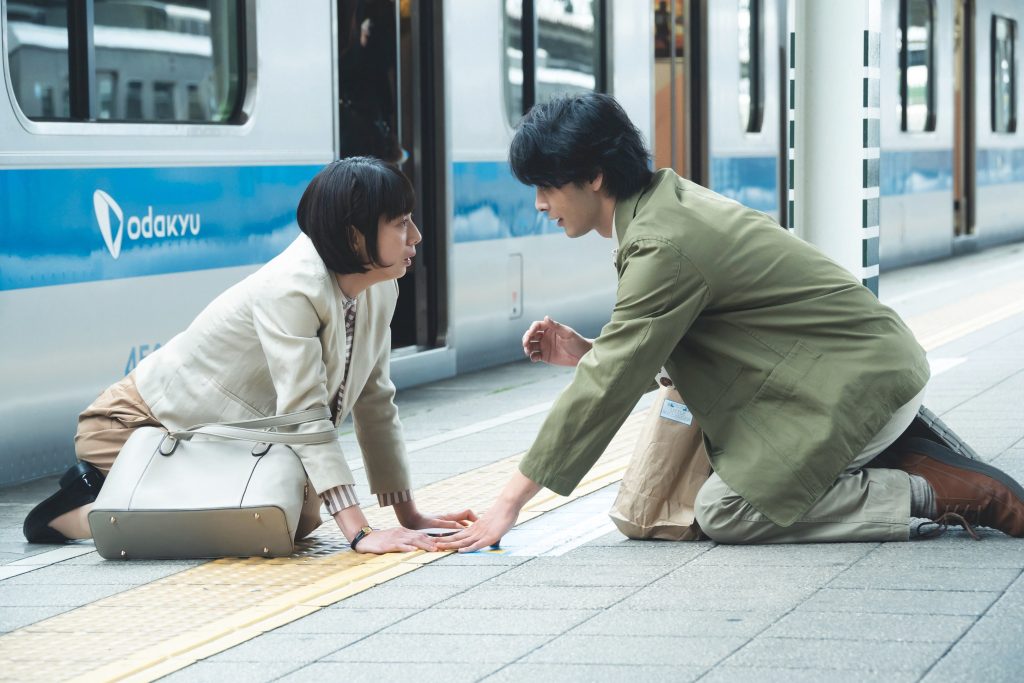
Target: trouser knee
<point>715,508</point>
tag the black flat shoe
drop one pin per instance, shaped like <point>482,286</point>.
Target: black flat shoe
<point>79,486</point>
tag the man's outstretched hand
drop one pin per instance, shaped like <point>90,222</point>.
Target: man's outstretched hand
<point>489,529</point>
<point>485,532</point>
<point>552,342</point>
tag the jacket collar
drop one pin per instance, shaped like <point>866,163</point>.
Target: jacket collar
<point>626,210</point>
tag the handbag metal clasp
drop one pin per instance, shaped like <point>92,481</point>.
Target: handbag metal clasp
<point>168,445</point>
<point>260,449</point>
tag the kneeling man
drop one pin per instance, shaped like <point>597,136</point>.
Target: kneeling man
<point>798,375</point>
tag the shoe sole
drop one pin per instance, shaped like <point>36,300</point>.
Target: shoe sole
<point>948,457</point>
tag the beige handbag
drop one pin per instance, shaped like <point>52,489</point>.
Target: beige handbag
<point>668,467</point>
<point>236,491</point>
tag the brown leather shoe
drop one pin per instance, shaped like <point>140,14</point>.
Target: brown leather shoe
<point>964,489</point>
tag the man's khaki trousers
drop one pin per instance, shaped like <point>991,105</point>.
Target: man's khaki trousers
<point>104,427</point>
<point>865,503</point>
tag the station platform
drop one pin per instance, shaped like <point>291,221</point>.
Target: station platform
<point>567,598</point>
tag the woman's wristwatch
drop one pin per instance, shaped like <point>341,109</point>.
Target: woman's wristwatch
<point>363,533</point>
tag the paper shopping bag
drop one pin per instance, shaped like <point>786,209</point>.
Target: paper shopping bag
<point>668,467</point>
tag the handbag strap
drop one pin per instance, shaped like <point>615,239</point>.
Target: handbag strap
<point>234,430</point>
<point>285,420</point>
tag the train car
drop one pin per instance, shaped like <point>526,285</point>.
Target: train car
<point>152,153</point>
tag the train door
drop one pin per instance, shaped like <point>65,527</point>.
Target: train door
<point>964,140</point>
<point>391,106</point>
<point>727,137</point>
<point>680,88</point>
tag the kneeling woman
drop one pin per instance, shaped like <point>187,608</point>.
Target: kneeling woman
<point>309,329</point>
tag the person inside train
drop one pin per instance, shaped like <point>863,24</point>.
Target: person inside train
<point>796,372</point>
<point>308,329</point>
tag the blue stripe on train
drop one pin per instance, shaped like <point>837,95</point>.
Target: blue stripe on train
<point>63,226</point>
<point>913,171</point>
<point>491,204</point>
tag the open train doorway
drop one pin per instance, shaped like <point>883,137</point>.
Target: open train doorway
<point>391,106</point>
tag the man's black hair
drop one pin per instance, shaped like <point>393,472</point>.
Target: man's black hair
<point>571,139</point>
<point>352,193</point>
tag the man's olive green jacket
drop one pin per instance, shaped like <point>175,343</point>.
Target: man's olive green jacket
<point>789,364</point>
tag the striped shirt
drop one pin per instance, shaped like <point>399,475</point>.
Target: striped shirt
<point>340,497</point>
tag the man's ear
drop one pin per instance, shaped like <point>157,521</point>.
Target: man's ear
<point>597,184</point>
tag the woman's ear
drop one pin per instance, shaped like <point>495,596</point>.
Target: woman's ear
<point>358,243</point>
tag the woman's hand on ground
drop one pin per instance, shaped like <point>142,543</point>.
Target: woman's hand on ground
<point>450,520</point>
<point>396,540</point>
<point>410,517</point>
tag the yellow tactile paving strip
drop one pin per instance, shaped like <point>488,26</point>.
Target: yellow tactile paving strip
<point>968,314</point>
<point>155,629</point>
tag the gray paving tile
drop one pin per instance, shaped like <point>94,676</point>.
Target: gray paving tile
<point>935,578</point>
<point>837,654</point>
<point>996,552</point>
<point>899,602</point>
<point>541,573</point>
<point>732,599</point>
<point>703,577</point>
<point>992,629</point>
<point>13,618</point>
<point>810,555</point>
<point>291,647</point>
<point>1010,604</point>
<point>990,662</point>
<point>638,650</point>
<point>652,553</point>
<point>41,596</point>
<point>400,597</point>
<point>861,626</point>
<point>584,672</point>
<point>217,672</point>
<point>108,573</point>
<point>482,559</point>
<point>440,648</point>
<point>375,672</point>
<point>537,597</point>
<point>347,620</point>
<point>765,674</point>
<point>492,622</point>
<point>628,622</point>
<point>446,575</point>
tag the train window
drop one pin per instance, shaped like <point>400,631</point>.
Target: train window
<point>1004,75</point>
<point>751,95</point>
<point>915,41</point>
<point>513,60</point>
<point>551,47</point>
<point>568,47</point>
<point>154,48</point>
<point>37,52</point>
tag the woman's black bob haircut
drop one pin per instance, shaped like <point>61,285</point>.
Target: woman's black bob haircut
<point>352,193</point>
<point>572,139</point>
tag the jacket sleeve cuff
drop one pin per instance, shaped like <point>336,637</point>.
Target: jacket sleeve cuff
<point>386,499</point>
<point>338,498</point>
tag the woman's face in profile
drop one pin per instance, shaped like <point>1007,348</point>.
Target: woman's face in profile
<point>396,245</point>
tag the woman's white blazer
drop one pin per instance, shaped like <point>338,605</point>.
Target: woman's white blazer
<point>275,343</point>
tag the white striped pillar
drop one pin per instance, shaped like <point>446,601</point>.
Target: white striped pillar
<point>834,130</point>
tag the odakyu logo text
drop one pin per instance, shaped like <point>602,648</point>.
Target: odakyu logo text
<point>152,225</point>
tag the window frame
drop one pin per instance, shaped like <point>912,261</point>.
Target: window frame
<point>529,35</point>
<point>931,119</point>
<point>755,118</point>
<point>237,124</point>
<point>1011,124</point>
